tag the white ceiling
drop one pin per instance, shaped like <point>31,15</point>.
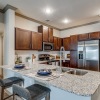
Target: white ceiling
<point>76,11</point>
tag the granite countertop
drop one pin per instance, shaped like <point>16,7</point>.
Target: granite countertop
<point>85,85</point>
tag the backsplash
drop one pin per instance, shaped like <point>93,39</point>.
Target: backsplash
<point>25,54</point>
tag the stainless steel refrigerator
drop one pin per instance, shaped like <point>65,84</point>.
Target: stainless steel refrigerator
<point>88,55</point>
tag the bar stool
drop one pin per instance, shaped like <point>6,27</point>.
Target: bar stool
<point>33,92</point>
<point>7,83</point>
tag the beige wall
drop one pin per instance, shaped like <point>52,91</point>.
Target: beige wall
<point>30,25</point>
<point>80,30</point>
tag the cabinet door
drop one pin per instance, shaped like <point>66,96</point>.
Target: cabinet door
<point>73,59</point>
<point>44,31</point>
<point>59,43</point>
<point>66,43</point>
<point>94,35</point>
<point>22,39</point>
<point>51,35</point>
<point>73,42</point>
<point>82,37</point>
<point>36,41</point>
<point>56,43</point>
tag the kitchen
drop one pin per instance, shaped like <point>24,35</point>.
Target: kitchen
<point>30,35</point>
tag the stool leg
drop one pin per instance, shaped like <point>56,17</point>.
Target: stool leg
<point>47,96</point>
<point>2,93</point>
<point>13,95</point>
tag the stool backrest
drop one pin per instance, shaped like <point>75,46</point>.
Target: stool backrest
<point>22,92</point>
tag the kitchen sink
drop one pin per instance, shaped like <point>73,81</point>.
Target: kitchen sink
<point>75,71</point>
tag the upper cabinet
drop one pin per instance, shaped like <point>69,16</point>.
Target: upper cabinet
<point>36,41</point>
<point>82,37</point>
<point>73,42</point>
<point>50,35</point>
<point>47,33</point>
<point>27,40</point>
<point>66,43</point>
<point>57,43</point>
<point>94,35</point>
<point>22,39</point>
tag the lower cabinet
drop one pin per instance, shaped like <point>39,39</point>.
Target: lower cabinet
<point>66,63</point>
<point>73,59</point>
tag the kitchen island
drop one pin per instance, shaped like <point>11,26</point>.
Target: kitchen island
<point>64,86</point>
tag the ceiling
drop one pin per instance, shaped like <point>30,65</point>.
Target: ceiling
<point>78,12</point>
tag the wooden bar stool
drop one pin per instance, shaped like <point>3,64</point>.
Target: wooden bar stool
<point>7,83</point>
<point>33,92</point>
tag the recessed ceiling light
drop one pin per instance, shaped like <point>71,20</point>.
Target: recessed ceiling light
<point>65,21</point>
<point>48,11</point>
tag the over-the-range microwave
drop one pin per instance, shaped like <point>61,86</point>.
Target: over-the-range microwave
<point>47,46</point>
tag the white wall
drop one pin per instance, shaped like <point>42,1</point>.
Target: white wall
<point>30,25</point>
<point>80,30</point>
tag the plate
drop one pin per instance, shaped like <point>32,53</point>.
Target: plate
<point>19,66</point>
<point>44,72</point>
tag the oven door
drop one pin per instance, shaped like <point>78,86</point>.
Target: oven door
<point>47,46</point>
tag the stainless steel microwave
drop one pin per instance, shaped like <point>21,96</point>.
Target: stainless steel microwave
<point>47,46</point>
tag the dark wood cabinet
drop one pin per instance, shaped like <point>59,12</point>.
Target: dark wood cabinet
<point>82,37</point>
<point>56,47</point>
<point>57,43</point>
<point>66,43</point>
<point>47,33</point>
<point>66,63</point>
<point>50,35</point>
<point>44,31</point>
<point>73,59</point>
<point>73,42</point>
<point>22,39</point>
<point>94,35</point>
<point>36,41</point>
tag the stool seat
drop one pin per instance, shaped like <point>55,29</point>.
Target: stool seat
<point>7,83</point>
<point>37,91</point>
<point>10,81</point>
<point>33,92</point>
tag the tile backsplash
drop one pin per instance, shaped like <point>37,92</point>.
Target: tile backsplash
<point>25,54</point>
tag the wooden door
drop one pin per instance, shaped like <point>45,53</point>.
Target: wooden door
<point>82,37</point>
<point>44,31</point>
<point>73,59</point>
<point>59,43</point>
<point>73,42</point>
<point>36,41</point>
<point>50,35</point>
<point>22,39</point>
<point>94,35</point>
<point>66,43</point>
<point>56,43</point>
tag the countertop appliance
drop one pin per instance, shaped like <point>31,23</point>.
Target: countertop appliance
<point>47,46</point>
<point>88,55</point>
<point>43,57</point>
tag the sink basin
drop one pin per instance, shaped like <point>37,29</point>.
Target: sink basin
<point>73,71</point>
<point>77,72</point>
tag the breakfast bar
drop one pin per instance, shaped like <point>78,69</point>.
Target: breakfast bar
<point>63,85</point>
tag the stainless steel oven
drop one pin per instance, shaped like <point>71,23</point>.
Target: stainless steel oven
<point>47,46</point>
